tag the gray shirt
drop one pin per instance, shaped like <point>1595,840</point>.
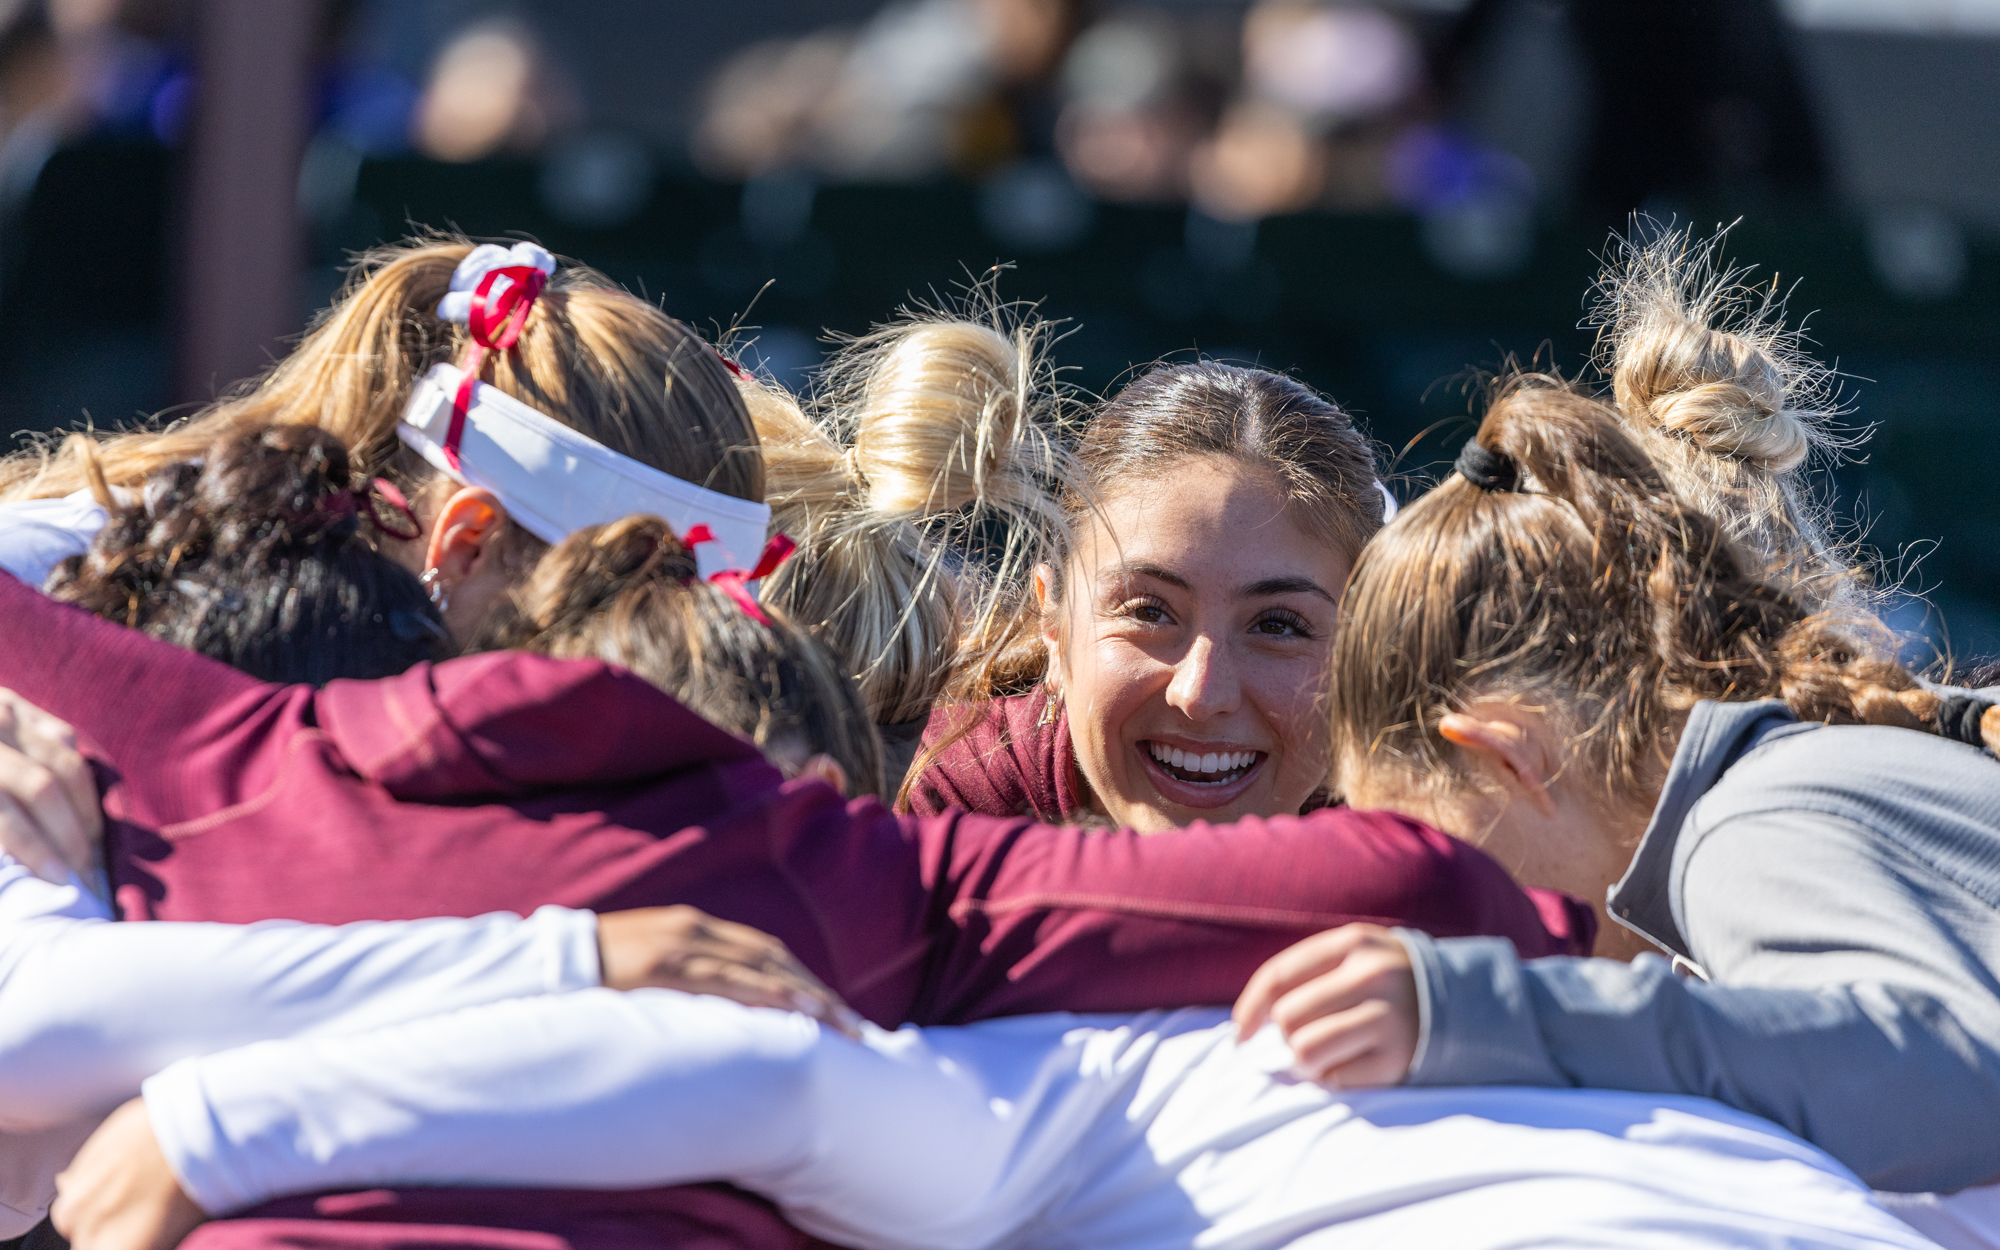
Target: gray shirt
<point>1840,888</point>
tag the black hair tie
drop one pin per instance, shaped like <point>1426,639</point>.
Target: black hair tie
<point>1958,717</point>
<point>1487,469</point>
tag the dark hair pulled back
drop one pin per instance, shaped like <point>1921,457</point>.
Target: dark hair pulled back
<point>254,556</point>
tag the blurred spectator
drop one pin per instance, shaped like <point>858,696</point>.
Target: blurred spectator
<point>492,90</point>
<point>1329,64</point>
<point>1261,160</point>
<point>766,105</point>
<point>1137,103</point>
<point>1324,90</point>
<point>35,97</point>
<point>926,87</point>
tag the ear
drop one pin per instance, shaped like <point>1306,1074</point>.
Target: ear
<point>463,533</point>
<point>827,769</point>
<point>1503,748</point>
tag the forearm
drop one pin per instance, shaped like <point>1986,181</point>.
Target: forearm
<point>876,1143</point>
<point>89,1009</point>
<point>1881,1077</point>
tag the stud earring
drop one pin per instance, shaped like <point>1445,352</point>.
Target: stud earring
<point>433,583</point>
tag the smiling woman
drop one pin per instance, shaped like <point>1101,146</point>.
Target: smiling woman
<point>1171,666</point>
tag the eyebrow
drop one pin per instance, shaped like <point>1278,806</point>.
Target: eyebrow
<point>1269,586</point>
<point>1156,572</point>
<point>1285,586</point>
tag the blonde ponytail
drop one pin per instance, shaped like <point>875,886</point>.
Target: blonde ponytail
<point>1724,400</point>
<point>930,437</point>
<point>1599,596</point>
<point>591,355</point>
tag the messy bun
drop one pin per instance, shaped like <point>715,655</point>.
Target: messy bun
<point>944,418</point>
<point>921,480</point>
<point>627,593</point>
<point>1594,592</point>
<point>1723,399</point>
<point>253,556</point>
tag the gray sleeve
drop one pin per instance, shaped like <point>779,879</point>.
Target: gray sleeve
<point>1836,1015</point>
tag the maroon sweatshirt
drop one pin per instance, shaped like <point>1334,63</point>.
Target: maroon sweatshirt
<point>1005,757</point>
<point>507,781</point>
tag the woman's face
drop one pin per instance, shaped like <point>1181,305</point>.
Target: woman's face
<point>1193,646</point>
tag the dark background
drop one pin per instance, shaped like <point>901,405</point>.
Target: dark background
<point>1383,204</point>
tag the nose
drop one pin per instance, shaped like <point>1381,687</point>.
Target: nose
<point>1205,682</point>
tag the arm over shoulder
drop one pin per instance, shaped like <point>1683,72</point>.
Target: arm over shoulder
<point>1048,918</point>
<point>140,704</point>
<point>1847,1005</point>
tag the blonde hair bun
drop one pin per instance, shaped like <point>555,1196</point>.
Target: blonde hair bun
<point>941,409</point>
<point>928,438</point>
<point>1695,353</point>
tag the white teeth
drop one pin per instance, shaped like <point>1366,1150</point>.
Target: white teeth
<point>1212,762</point>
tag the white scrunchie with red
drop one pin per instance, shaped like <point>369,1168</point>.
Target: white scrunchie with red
<point>481,261</point>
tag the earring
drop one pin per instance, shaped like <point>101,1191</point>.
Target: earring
<point>433,583</point>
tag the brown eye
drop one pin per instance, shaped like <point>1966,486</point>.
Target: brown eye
<point>1144,611</point>
<point>1282,625</point>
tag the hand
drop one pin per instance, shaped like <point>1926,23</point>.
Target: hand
<point>50,817</point>
<point>1346,1002</point>
<point>119,1194</point>
<point>685,948</point>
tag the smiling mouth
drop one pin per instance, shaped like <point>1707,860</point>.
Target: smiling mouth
<point>1215,768</point>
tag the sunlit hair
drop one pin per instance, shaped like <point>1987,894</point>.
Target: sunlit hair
<point>1724,400</point>
<point>1594,593</point>
<point>591,356</point>
<point>626,593</point>
<point>920,482</point>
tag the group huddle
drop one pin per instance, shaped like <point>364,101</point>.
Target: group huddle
<point>580,793</point>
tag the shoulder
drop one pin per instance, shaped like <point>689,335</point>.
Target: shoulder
<point>1830,798</point>
<point>507,722</point>
<point>1003,757</point>
<point>1867,772</point>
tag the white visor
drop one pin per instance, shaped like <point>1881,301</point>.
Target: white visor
<point>554,481</point>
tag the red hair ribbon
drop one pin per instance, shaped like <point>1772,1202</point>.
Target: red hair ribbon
<point>731,582</point>
<point>495,327</point>
<point>731,365</point>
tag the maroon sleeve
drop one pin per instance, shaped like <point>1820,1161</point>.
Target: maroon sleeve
<point>1044,918</point>
<point>187,733</point>
<point>1008,759</point>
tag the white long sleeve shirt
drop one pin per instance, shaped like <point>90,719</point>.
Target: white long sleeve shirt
<point>90,1008</point>
<point>1137,1133</point>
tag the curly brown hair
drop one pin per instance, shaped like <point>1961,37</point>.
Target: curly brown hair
<point>253,555</point>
